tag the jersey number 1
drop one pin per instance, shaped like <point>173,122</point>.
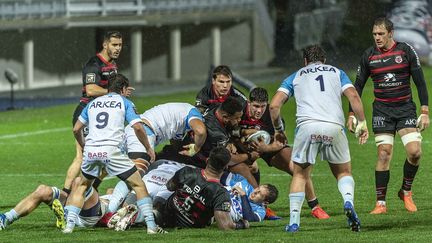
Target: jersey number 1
<point>321,80</point>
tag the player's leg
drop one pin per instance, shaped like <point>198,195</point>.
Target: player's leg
<point>42,193</point>
<point>384,144</point>
<point>74,168</point>
<point>243,169</point>
<point>75,201</point>
<point>342,173</point>
<point>301,173</point>
<point>412,142</point>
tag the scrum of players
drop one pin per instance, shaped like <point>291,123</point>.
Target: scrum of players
<point>207,172</point>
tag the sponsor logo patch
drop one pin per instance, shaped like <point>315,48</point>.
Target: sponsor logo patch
<point>90,78</point>
<point>398,59</point>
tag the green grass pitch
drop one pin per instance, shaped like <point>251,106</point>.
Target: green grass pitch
<point>37,146</point>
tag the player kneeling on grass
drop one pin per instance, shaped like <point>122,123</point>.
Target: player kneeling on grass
<point>93,209</point>
<point>105,117</point>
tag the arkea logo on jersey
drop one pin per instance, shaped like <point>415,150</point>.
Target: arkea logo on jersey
<point>106,104</point>
<point>317,69</point>
<point>90,78</point>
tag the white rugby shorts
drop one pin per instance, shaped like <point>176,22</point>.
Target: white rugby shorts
<point>328,139</point>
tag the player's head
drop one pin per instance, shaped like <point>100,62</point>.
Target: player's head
<point>118,83</point>
<point>218,159</point>
<point>314,53</point>
<point>265,193</point>
<point>112,44</point>
<point>230,112</point>
<point>382,32</point>
<point>258,100</point>
<point>221,80</point>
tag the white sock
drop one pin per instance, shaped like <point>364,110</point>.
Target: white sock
<point>72,213</point>
<point>346,188</point>
<point>11,216</point>
<point>119,194</point>
<point>296,201</point>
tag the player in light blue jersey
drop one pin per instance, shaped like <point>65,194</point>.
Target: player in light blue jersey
<point>248,201</point>
<point>105,117</point>
<point>318,88</point>
<point>165,122</point>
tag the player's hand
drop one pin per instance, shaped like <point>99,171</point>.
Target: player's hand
<point>361,132</point>
<point>281,137</point>
<point>152,154</point>
<point>129,91</point>
<point>422,122</point>
<point>189,150</point>
<point>238,190</point>
<point>253,155</point>
<point>351,123</point>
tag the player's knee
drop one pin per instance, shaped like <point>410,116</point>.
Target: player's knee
<point>43,192</point>
<point>414,155</point>
<point>384,155</point>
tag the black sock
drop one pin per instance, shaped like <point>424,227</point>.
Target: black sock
<point>381,181</point>
<point>257,176</point>
<point>313,203</point>
<point>96,183</point>
<point>409,172</point>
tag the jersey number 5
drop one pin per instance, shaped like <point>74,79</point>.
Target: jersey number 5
<point>102,119</point>
<point>321,80</point>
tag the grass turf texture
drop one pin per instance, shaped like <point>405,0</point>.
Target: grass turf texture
<point>30,160</point>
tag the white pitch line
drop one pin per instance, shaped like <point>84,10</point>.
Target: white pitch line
<point>32,175</point>
<point>26,134</point>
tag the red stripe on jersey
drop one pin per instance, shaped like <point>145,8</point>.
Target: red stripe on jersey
<point>390,89</point>
<point>397,99</point>
<point>103,59</point>
<point>391,67</point>
<point>199,205</point>
<point>387,54</point>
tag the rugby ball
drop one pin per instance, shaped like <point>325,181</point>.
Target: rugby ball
<point>260,135</point>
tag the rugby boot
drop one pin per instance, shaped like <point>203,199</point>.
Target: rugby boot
<point>58,210</point>
<point>353,220</point>
<point>406,197</point>
<point>292,228</point>
<point>271,215</point>
<point>3,221</point>
<point>128,219</point>
<point>319,213</point>
<point>380,208</point>
<point>157,230</point>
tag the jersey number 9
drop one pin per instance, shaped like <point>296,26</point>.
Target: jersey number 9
<point>102,119</point>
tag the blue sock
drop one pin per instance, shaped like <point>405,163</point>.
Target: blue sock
<point>11,216</point>
<point>346,188</point>
<point>72,213</point>
<point>296,201</point>
<point>119,194</point>
<point>146,210</point>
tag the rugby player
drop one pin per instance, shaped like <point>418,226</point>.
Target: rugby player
<point>317,88</point>
<point>390,64</point>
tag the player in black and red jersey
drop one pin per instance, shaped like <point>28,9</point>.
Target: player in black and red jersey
<point>256,116</point>
<point>198,196</point>
<point>390,64</point>
<point>218,90</point>
<point>95,75</point>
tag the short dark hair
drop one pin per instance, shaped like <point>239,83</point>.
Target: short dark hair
<point>219,158</point>
<point>221,70</point>
<point>117,82</point>
<point>388,24</point>
<point>258,94</point>
<point>231,105</point>
<point>273,193</point>
<point>112,34</point>
<point>314,53</point>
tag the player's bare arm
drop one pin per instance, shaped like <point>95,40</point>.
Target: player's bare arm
<point>275,106</point>
<point>77,131</point>
<point>142,137</point>
<point>94,90</point>
<point>224,221</point>
<point>357,106</point>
